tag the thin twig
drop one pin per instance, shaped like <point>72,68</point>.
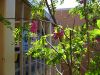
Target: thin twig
<point>58,70</point>
<point>87,26</point>
<point>53,18</point>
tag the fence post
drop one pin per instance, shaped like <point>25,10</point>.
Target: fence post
<point>21,44</point>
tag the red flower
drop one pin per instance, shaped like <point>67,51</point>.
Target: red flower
<point>98,39</point>
<point>58,34</point>
<point>55,36</point>
<point>34,26</point>
<point>61,33</point>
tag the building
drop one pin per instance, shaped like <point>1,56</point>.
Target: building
<point>14,11</point>
<point>65,19</point>
<point>17,12</point>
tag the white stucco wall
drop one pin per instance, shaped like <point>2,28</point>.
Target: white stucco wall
<point>9,65</point>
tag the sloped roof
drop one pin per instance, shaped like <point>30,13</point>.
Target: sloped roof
<point>27,2</point>
<point>27,9</point>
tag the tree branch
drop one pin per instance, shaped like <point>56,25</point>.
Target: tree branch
<point>52,16</point>
<point>58,70</point>
<point>53,10</point>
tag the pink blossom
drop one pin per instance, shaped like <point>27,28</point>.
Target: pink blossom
<point>34,26</point>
